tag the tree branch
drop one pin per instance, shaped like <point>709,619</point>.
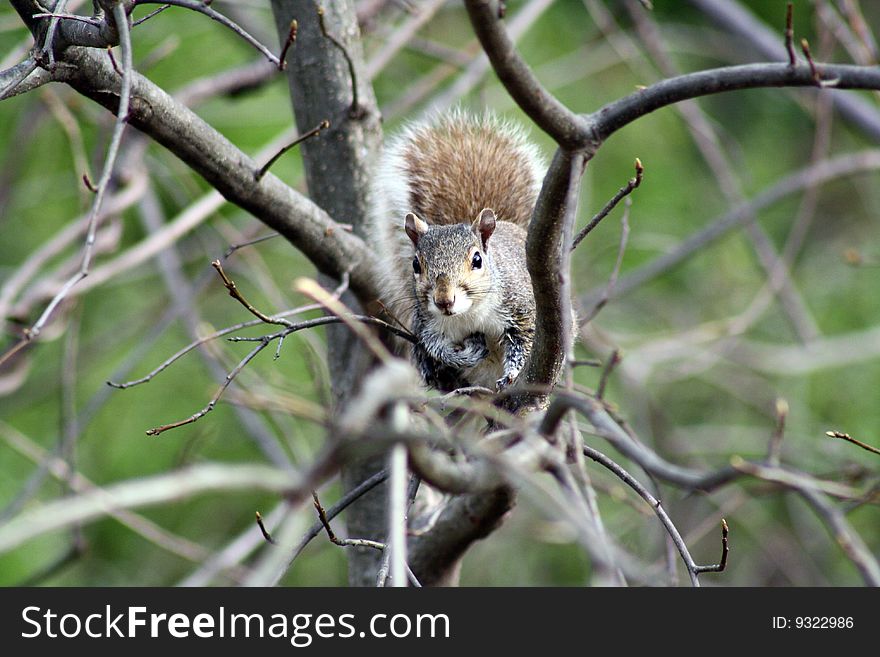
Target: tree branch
<point>567,128</point>
<point>613,116</point>
<point>548,254</point>
<point>330,248</point>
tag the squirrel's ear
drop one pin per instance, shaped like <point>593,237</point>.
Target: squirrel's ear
<point>415,227</point>
<point>484,226</point>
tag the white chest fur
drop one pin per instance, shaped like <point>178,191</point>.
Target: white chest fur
<point>483,317</point>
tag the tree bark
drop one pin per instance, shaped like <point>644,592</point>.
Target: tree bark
<point>337,167</point>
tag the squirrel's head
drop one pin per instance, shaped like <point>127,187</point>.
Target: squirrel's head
<point>451,263</point>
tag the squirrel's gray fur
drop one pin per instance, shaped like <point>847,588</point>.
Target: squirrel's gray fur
<point>456,193</point>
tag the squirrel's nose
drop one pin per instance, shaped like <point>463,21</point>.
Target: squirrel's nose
<point>445,303</point>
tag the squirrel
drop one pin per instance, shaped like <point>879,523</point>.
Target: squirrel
<point>452,200</point>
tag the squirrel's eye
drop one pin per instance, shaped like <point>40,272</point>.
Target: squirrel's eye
<point>477,262</point>
<point>417,268</point>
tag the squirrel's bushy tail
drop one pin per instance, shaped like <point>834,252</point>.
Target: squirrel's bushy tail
<point>449,167</point>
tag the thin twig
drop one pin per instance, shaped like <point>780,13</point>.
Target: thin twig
<point>343,286</point>
<point>203,8</point>
<point>850,439</point>
<point>610,364</point>
<point>794,479</point>
<point>68,17</point>
<point>33,332</point>
<point>349,498</point>
<point>645,494</point>
<point>612,281</point>
<point>235,247</point>
<point>263,529</point>
<point>113,60</point>
<point>344,542</point>
<point>150,15</point>
<point>235,294</point>
<point>843,534</point>
<point>210,407</point>
<point>48,42</point>
<point>789,36</point>
<point>725,550</point>
<point>775,445</point>
<point>291,39</point>
<point>314,132</point>
<point>195,343</point>
<point>805,46</point>
<point>623,192</point>
<point>264,341</point>
<point>314,291</point>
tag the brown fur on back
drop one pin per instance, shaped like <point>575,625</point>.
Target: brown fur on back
<point>457,168</point>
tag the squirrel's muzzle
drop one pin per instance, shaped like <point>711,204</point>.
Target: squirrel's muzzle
<point>444,295</point>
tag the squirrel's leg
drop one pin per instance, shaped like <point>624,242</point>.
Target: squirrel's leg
<point>517,345</point>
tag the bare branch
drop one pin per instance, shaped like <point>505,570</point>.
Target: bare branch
<point>200,341</point>
<point>12,80</point>
<point>235,294</point>
<point>155,12</point>
<point>623,192</point>
<point>816,174</point>
<point>264,341</point>
<point>121,20</point>
<point>231,172</point>
<point>343,542</point>
<point>203,8</point>
<point>314,132</point>
<point>850,439</point>
<point>647,459</point>
<point>291,39</point>
<point>844,535</point>
<point>632,482</point>
<point>789,36</point>
<point>794,479</point>
<point>737,20</point>
<point>567,128</point>
<point>548,253</point>
<point>615,273</point>
<point>314,291</point>
<point>263,530</point>
<point>612,362</point>
<point>351,496</point>
<point>175,485</point>
<point>725,550</point>
<point>619,113</point>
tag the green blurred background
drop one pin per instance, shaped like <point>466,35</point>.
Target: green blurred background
<point>691,410</point>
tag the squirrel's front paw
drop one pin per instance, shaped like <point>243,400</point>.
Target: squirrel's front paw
<point>506,380</point>
<point>473,349</point>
